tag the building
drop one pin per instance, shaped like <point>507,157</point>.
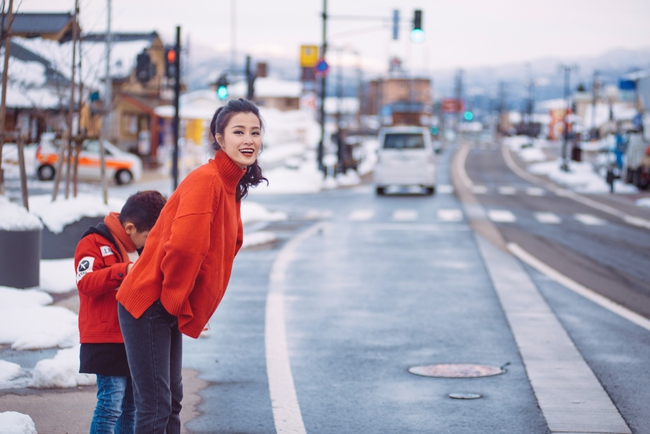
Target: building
<point>383,92</point>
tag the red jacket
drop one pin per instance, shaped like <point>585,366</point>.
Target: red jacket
<point>100,267</point>
<point>190,250</point>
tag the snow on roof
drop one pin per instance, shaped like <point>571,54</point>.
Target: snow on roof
<point>25,86</point>
<point>199,104</point>
<point>266,87</point>
<point>93,57</point>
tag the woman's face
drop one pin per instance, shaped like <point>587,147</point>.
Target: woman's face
<point>242,139</point>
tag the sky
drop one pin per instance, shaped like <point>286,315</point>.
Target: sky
<point>459,33</point>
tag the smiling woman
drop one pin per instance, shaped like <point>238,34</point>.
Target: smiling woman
<point>182,274</point>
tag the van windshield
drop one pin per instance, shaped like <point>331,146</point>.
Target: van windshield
<point>404,141</point>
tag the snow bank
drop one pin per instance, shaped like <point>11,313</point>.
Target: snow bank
<point>258,238</point>
<point>57,215</point>
<point>57,275</point>
<point>645,201</point>
<point>254,212</point>
<point>15,217</point>
<point>61,371</point>
<point>29,325</point>
<point>581,177</point>
<point>12,422</point>
<point>12,376</point>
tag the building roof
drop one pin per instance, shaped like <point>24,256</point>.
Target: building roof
<point>56,26</point>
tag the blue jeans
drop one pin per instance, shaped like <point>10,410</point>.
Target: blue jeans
<point>154,349</point>
<point>115,410</point>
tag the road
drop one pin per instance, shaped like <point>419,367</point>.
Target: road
<point>382,284</point>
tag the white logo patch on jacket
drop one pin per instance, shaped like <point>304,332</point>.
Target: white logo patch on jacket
<point>85,266</point>
<point>106,251</point>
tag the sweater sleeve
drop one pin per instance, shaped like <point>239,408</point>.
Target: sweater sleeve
<point>240,230</point>
<point>97,271</point>
<point>185,251</point>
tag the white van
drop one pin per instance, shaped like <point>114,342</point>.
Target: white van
<point>405,158</point>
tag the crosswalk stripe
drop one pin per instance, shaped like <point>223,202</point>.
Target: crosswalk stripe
<point>501,216</point>
<point>405,214</point>
<point>361,214</point>
<point>548,218</point>
<point>450,215</point>
<point>590,220</point>
<point>507,190</point>
<point>445,189</point>
<point>535,191</point>
<point>479,189</point>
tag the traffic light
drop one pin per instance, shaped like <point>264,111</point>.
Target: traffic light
<point>417,34</point>
<point>468,115</point>
<point>143,67</point>
<point>434,130</point>
<point>395,24</point>
<point>170,62</point>
<point>222,87</point>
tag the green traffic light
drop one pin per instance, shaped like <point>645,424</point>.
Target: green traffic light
<point>222,92</point>
<point>469,115</point>
<point>417,35</point>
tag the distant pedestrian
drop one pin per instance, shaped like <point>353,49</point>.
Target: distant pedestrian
<point>103,258</point>
<point>182,275</point>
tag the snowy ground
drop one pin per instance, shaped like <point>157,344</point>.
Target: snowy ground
<point>28,320</point>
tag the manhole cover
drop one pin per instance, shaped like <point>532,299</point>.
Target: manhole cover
<point>456,370</point>
<point>465,395</point>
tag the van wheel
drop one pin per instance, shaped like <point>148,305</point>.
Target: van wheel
<point>381,191</point>
<point>430,190</point>
<point>123,177</point>
<point>45,172</point>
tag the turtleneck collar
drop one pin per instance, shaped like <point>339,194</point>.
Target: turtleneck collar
<point>229,171</point>
<point>112,221</point>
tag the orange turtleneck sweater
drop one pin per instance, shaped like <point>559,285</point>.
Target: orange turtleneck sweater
<point>189,253</point>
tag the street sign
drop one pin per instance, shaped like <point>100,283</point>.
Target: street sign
<point>308,56</point>
<point>321,68</point>
<point>452,105</point>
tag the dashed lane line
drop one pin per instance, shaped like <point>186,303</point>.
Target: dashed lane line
<point>501,216</point>
<point>590,220</point>
<point>405,215</point>
<point>548,218</point>
<point>361,215</point>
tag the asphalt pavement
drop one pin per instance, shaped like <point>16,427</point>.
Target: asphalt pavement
<point>319,329</point>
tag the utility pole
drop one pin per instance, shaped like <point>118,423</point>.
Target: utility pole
<point>459,97</point>
<point>3,104</point>
<point>567,98</point>
<point>323,85</point>
<point>177,92</point>
<point>595,88</point>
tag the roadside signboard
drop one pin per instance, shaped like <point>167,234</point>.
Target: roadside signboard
<point>322,68</point>
<point>452,105</point>
<point>308,56</point>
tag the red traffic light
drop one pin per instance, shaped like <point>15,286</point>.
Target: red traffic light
<point>171,56</point>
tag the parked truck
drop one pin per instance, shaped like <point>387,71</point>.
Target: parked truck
<point>637,161</point>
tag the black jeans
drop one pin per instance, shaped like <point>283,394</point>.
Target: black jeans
<point>154,349</point>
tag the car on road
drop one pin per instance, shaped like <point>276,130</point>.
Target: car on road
<point>123,167</point>
<point>405,158</point>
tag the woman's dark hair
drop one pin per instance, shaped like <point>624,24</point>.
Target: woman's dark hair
<point>222,116</point>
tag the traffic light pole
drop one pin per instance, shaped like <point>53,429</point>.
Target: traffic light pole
<point>177,92</point>
<point>323,85</point>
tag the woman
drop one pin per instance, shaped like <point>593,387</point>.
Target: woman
<point>182,275</point>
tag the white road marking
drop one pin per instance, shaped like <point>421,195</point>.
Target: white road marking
<point>405,215</point>
<point>535,191</point>
<point>361,214</point>
<point>590,220</point>
<point>478,189</point>
<point>548,218</point>
<point>284,401</point>
<point>576,287</point>
<point>445,189</point>
<point>450,215</point>
<point>507,190</point>
<point>501,216</point>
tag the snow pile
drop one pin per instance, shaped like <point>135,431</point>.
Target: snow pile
<point>56,215</point>
<point>14,217</point>
<point>12,422</point>
<point>580,177</point>
<point>57,275</point>
<point>645,201</point>
<point>29,325</point>
<point>258,238</point>
<point>61,371</point>
<point>12,376</point>
<point>254,212</point>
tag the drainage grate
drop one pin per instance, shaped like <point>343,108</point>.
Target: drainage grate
<point>465,395</point>
<point>457,370</point>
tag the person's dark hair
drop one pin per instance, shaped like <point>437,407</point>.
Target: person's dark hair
<point>222,116</point>
<point>142,209</point>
